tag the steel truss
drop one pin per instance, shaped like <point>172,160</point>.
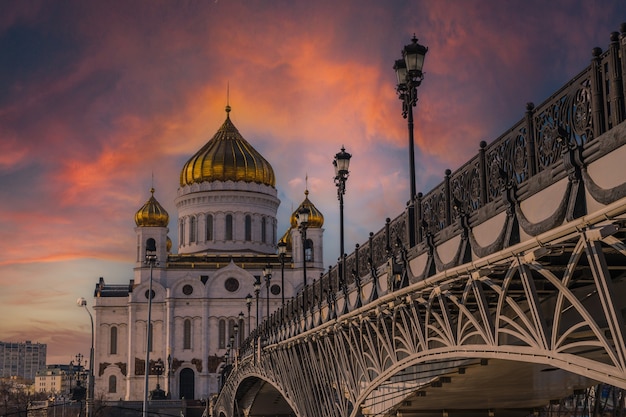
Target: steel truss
<point>558,302</point>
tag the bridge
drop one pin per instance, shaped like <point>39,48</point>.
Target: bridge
<point>500,290</point>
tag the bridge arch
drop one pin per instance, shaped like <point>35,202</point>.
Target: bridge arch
<point>256,394</point>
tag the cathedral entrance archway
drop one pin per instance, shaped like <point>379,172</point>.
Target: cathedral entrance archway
<point>187,384</point>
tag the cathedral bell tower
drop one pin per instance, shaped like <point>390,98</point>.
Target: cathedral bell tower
<point>309,250</point>
<point>151,220</point>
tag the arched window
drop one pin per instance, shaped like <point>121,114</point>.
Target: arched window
<point>181,232</point>
<point>308,251</point>
<point>229,227</point>
<point>209,227</point>
<point>113,340</point>
<point>248,228</point>
<point>112,384</point>
<point>187,334</point>
<point>192,229</point>
<point>274,232</point>
<point>222,334</point>
<point>264,230</point>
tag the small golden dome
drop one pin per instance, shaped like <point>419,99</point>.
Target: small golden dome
<point>287,239</point>
<point>316,218</point>
<point>168,245</point>
<point>152,214</point>
<point>227,157</point>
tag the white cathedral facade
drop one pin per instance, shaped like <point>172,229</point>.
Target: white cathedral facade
<point>200,301</point>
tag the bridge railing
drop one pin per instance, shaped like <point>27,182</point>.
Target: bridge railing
<point>579,112</point>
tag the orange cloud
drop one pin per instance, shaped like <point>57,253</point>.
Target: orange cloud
<point>122,91</point>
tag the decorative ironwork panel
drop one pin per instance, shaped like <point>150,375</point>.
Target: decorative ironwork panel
<point>569,115</point>
<point>519,156</point>
<point>496,171</point>
<point>350,266</point>
<point>397,229</point>
<point>434,210</point>
<point>465,188</point>
<point>333,276</point>
<point>507,161</point>
<point>548,146</point>
<point>379,243</point>
<point>364,256</point>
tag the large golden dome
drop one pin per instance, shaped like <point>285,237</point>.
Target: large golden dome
<point>227,157</point>
<point>316,218</point>
<point>152,214</point>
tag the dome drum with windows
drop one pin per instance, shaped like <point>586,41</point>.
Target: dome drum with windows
<point>227,199</point>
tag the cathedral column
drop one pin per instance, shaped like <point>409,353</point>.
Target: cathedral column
<point>132,315</point>
<point>169,342</point>
<point>204,335</point>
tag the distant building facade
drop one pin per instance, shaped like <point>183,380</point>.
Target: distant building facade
<point>227,234</point>
<point>52,380</point>
<point>59,379</point>
<point>22,359</point>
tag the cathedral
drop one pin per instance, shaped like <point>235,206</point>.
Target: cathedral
<point>182,311</point>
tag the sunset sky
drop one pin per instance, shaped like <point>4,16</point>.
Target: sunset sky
<point>97,97</point>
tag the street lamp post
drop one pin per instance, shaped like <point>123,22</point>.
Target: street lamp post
<point>303,223</point>
<point>169,375</point>
<point>249,304</point>
<point>80,370</point>
<point>231,346</point>
<point>409,75</point>
<point>341,164</point>
<point>257,289</point>
<point>267,274</point>
<point>282,250</point>
<point>81,302</point>
<point>158,369</point>
<point>241,329</point>
<point>151,260</point>
<point>71,374</point>
<point>235,342</point>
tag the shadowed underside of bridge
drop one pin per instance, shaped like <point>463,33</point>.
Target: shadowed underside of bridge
<point>502,289</point>
<point>475,388</point>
